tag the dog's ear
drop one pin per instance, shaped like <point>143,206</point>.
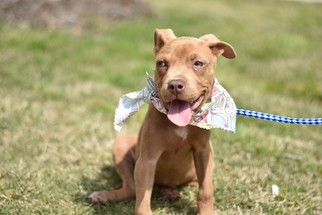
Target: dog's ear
<point>161,36</point>
<point>218,47</point>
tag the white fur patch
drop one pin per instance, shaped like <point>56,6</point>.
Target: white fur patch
<point>181,132</point>
<point>152,162</point>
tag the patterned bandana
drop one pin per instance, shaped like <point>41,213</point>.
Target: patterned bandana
<point>220,112</point>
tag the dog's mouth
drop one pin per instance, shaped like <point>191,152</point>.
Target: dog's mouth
<point>180,112</point>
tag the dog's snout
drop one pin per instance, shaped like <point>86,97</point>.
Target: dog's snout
<point>176,86</point>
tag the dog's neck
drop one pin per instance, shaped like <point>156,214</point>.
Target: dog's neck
<point>159,121</point>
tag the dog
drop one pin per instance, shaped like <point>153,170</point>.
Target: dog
<point>169,152</point>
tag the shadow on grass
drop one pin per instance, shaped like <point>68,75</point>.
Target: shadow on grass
<point>109,180</point>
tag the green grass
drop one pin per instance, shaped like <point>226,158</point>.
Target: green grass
<point>58,94</point>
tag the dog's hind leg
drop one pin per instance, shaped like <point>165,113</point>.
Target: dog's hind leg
<point>124,158</point>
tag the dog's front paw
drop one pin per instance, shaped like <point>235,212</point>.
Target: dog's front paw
<point>98,197</point>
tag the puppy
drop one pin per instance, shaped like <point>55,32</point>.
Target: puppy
<point>169,152</point>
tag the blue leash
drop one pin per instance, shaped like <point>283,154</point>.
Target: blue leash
<point>276,118</point>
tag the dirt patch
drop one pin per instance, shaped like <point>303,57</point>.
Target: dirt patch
<point>78,14</point>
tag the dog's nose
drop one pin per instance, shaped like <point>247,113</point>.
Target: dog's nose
<point>176,86</point>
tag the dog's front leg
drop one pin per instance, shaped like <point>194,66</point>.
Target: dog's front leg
<point>144,179</point>
<point>204,164</point>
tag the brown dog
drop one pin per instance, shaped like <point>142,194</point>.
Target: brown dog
<point>169,152</point>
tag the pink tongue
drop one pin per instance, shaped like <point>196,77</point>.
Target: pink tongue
<point>180,113</point>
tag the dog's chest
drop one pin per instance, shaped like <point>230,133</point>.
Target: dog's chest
<point>181,133</point>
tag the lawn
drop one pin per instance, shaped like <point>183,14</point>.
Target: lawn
<point>59,91</point>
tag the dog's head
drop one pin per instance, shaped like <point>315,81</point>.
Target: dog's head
<point>184,72</point>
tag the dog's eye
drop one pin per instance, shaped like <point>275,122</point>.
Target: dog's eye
<point>198,63</point>
<point>161,63</point>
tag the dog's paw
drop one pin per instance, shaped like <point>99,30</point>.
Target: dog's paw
<point>171,194</point>
<point>175,196</point>
<point>98,197</point>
